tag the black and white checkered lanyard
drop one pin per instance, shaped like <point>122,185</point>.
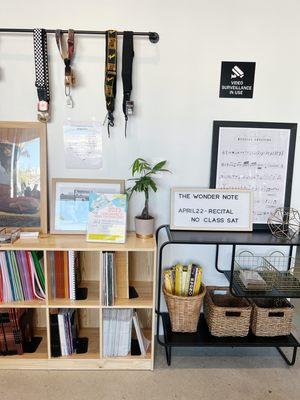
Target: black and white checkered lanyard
<point>41,73</point>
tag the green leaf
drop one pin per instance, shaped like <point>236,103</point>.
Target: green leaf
<point>159,165</point>
<point>134,167</point>
<point>153,185</point>
<point>151,172</point>
<point>165,170</point>
<point>140,165</point>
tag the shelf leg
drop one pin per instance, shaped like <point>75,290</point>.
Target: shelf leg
<point>160,258</point>
<point>168,354</point>
<point>292,362</point>
<point>217,259</point>
<point>232,269</point>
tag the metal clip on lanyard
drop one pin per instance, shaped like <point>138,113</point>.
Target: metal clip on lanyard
<point>41,73</point>
<point>66,51</point>
<point>127,59</point>
<point>110,84</point>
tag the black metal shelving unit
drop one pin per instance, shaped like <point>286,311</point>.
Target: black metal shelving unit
<point>202,337</point>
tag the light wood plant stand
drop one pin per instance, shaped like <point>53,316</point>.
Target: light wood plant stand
<point>135,265</point>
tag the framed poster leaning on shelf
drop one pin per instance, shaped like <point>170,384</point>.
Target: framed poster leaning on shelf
<point>23,176</point>
<point>257,156</point>
<point>70,202</point>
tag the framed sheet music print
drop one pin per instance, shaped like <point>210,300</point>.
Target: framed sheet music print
<point>257,156</point>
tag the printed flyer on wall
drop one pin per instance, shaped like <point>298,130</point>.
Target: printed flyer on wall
<point>107,218</point>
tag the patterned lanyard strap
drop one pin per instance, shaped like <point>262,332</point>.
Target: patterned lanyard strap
<point>127,59</point>
<point>110,85</point>
<point>67,54</point>
<point>41,73</point>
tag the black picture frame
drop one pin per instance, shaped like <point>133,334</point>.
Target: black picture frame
<point>292,127</point>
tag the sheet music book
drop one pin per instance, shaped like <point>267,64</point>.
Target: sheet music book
<point>143,341</point>
<point>117,329</point>
<point>108,281</point>
<point>72,280</point>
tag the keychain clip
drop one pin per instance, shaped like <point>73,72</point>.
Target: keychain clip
<point>129,107</point>
<point>43,111</point>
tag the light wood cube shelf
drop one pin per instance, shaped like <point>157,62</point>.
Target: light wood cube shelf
<point>135,265</point>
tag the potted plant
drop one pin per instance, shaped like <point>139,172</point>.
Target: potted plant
<point>144,223</point>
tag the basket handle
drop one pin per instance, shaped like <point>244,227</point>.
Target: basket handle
<point>247,252</point>
<point>276,314</point>
<point>232,314</point>
<point>276,251</point>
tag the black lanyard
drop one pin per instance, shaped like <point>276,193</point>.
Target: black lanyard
<point>127,59</point>
<point>41,73</point>
<point>110,85</point>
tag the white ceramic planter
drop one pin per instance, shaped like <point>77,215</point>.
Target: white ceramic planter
<point>144,227</point>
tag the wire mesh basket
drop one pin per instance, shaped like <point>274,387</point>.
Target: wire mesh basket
<point>287,271</point>
<point>254,273</point>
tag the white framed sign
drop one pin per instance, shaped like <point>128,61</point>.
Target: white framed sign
<point>211,209</point>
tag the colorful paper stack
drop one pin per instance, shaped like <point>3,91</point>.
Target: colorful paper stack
<point>182,280</point>
<point>21,276</point>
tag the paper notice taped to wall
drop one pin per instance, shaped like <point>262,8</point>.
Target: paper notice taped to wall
<point>83,145</point>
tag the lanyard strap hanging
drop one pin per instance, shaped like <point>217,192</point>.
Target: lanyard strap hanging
<point>110,85</point>
<point>127,59</point>
<point>41,73</point>
<point>66,51</point>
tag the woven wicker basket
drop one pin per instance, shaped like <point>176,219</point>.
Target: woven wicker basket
<point>272,317</point>
<point>225,314</point>
<point>184,312</point>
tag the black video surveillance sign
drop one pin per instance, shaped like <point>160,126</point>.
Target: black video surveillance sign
<point>237,79</point>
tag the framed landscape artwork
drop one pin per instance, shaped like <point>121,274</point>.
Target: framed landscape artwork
<point>23,176</point>
<point>70,202</point>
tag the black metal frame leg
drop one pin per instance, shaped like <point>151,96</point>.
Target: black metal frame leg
<point>168,354</point>
<point>292,362</point>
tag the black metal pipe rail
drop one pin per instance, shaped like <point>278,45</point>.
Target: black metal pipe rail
<point>153,36</point>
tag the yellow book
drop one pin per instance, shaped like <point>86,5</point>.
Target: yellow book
<point>178,277</point>
<point>198,281</point>
<point>187,280</point>
<point>183,279</point>
<point>168,281</point>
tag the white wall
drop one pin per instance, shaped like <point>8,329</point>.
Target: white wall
<point>176,82</point>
